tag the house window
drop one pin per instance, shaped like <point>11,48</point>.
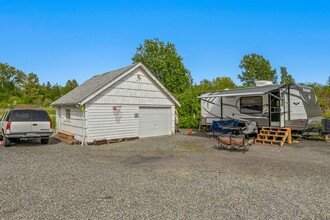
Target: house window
<point>251,105</point>
<point>67,114</point>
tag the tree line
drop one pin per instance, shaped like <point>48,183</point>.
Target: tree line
<point>163,60</point>
<point>18,88</point>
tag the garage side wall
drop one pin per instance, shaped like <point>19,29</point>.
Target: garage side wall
<point>130,93</point>
<point>71,122</point>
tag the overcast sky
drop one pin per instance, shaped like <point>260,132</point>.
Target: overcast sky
<point>76,39</point>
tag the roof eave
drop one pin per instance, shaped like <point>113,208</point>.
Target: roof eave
<point>65,104</point>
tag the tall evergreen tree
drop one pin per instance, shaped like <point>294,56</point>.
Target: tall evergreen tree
<point>286,78</point>
<point>31,88</point>
<point>69,85</point>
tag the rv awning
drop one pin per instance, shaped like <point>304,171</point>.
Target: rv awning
<point>241,92</point>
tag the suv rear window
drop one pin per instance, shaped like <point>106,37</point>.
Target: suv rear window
<point>20,115</point>
<point>38,115</point>
<point>27,115</point>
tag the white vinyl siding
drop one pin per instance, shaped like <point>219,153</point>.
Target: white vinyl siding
<point>105,122</point>
<point>137,88</point>
<point>73,125</point>
<point>155,121</point>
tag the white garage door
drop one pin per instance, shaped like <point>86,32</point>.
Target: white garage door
<point>154,121</point>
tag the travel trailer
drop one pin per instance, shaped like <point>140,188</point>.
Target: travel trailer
<point>290,106</point>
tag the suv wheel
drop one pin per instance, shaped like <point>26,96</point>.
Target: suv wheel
<point>6,142</point>
<point>44,141</point>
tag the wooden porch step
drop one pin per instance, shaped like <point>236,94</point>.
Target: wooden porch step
<point>269,135</point>
<point>271,142</point>
<point>272,132</point>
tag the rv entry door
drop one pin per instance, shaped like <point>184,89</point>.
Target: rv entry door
<point>275,109</point>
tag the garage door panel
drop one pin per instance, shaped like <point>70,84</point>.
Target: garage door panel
<point>154,121</point>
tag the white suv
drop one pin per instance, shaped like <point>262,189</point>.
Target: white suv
<point>17,124</point>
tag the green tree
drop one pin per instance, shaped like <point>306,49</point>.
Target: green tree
<point>286,78</point>
<point>205,86</point>
<point>221,83</point>
<point>31,89</point>
<point>323,96</point>
<point>56,92</point>
<point>256,67</point>
<point>189,111</point>
<point>70,84</point>
<point>11,80</point>
<point>46,90</point>
<point>165,63</point>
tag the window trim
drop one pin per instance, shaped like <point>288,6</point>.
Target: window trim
<point>67,113</point>
<point>240,105</point>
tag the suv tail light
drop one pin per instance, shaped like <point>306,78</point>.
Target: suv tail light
<point>8,125</point>
<point>50,125</point>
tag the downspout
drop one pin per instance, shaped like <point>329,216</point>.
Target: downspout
<point>84,132</point>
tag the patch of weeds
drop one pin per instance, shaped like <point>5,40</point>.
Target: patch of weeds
<point>313,137</point>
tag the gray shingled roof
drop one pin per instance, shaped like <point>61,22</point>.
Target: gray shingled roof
<point>240,92</point>
<point>95,83</point>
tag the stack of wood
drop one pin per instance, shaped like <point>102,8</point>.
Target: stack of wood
<point>66,137</point>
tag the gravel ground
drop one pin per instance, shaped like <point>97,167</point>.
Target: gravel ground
<point>176,177</point>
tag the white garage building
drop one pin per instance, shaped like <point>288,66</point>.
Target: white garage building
<point>124,103</point>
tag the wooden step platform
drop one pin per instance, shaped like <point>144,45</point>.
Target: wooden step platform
<point>66,137</point>
<point>274,136</point>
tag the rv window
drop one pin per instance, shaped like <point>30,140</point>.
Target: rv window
<point>251,105</point>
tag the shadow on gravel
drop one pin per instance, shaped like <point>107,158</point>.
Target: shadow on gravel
<point>136,160</point>
<point>233,150</point>
<point>33,143</point>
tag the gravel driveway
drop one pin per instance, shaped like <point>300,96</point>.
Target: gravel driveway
<point>176,177</point>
